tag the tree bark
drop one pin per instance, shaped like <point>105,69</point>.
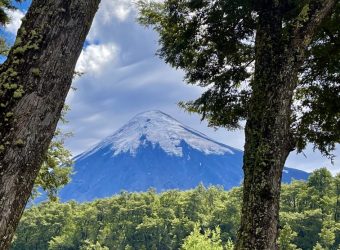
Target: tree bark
<point>269,138</point>
<point>34,82</point>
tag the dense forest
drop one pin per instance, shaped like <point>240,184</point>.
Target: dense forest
<point>273,64</point>
<point>203,218</point>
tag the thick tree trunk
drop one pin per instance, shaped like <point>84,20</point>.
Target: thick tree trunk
<point>269,138</point>
<point>34,82</point>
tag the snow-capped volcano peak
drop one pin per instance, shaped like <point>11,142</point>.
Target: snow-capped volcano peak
<point>158,128</point>
<point>155,150</point>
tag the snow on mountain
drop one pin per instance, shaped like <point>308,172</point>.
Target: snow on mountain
<point>155,150</point>
<point>156,127</point>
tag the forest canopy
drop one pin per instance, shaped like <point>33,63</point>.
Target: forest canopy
<point>309,217</point>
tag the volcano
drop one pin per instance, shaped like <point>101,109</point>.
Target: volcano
<point>153,150</point>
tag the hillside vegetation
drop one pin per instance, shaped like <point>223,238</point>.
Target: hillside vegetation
<point>203,218</point>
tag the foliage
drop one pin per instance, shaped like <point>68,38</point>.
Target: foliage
<point>199,37</point>
<point>213,42</point>
<point>4,6</point>
<point>309,208</point>
<point>327,235</point>
<point>203,218</point>
<point>56,168</point>
<point>287,235</point>
<point>229,245</point>
<point>318,247</point>
<point>4,48</point>
<point>210,240</point>
<point>87,245</point>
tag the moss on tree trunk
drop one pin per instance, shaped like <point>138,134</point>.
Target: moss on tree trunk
<point>34,82</point>
<point>268,132</point>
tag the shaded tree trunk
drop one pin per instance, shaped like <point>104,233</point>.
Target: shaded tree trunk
<point>34,82</point>
<point>269,137</point>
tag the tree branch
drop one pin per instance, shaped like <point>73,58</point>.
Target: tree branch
<point>307,22</point>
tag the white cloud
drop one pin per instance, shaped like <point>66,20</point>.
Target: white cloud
<point>95,56</point>
<point>123,10</point>
<point>124,77</point>
<point>15,20</point>
<point>119,9</point>
<point>110,13</point>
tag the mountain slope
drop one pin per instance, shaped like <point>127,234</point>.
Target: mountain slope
<point>155,150</point>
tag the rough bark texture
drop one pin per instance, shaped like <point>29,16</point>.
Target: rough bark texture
<point>269,139</point>
<point>267,142</point>
<point>34,82</point>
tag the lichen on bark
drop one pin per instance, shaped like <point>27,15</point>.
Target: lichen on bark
<point>34,82</point>
<point>12,74</point>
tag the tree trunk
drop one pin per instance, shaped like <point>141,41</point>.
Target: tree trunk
<point>34,82</point>
<point>269,138</point>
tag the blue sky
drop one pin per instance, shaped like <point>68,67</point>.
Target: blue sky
<point>123,77</point>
